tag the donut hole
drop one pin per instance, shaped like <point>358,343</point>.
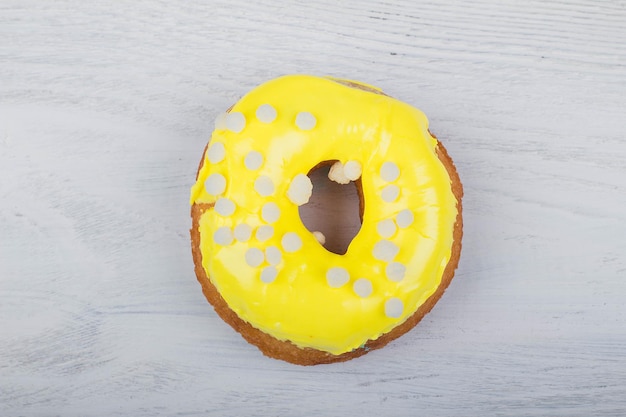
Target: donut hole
<point>334,209</point>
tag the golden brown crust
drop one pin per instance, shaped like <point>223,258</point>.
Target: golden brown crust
<point>359,86</point>
<point>288,351</point>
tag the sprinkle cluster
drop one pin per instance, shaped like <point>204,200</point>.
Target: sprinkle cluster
<point>268,258</point>
<point>385,249</point>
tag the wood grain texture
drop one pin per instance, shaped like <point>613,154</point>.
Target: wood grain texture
<point>105,110</point>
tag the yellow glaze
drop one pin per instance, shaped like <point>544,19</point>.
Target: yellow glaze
<point>299,305</point>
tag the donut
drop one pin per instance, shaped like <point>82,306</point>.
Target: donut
<point>271,278</point>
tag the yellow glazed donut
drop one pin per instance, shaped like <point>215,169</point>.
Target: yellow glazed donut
<point>267,275</point>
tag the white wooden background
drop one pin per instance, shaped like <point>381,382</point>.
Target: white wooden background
<point>104,112</point>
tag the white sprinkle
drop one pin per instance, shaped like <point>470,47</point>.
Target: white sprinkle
<point>273,255</point>
<point>216,152</point>
<point>224,207</point>
<point>305,120</point>
<point>385,250</point>
<point>389,172</point>
<point>319,236</point>
<point>393,308</point>
<point>337,276</point>
<point>300,189</point>
<point>404,218</point>
<point>337,174</point>
<point>254,257</point>
<point>266,113</point>
<point>270,212</point>
<point>363,287</point>
<point>264,232</point>
<point>215,184</point>
<point>390,193</point>
<point>268,274</point>
<point>264,185</point>
<point>352,170</point>
<point>223,236</point>
<point>242,232</point>
<point>253,160</point>
<point>395,271</point>
<point>220,121</point>
<point>386,228</point>
<point>235,121</point>
<point>291,242</point>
